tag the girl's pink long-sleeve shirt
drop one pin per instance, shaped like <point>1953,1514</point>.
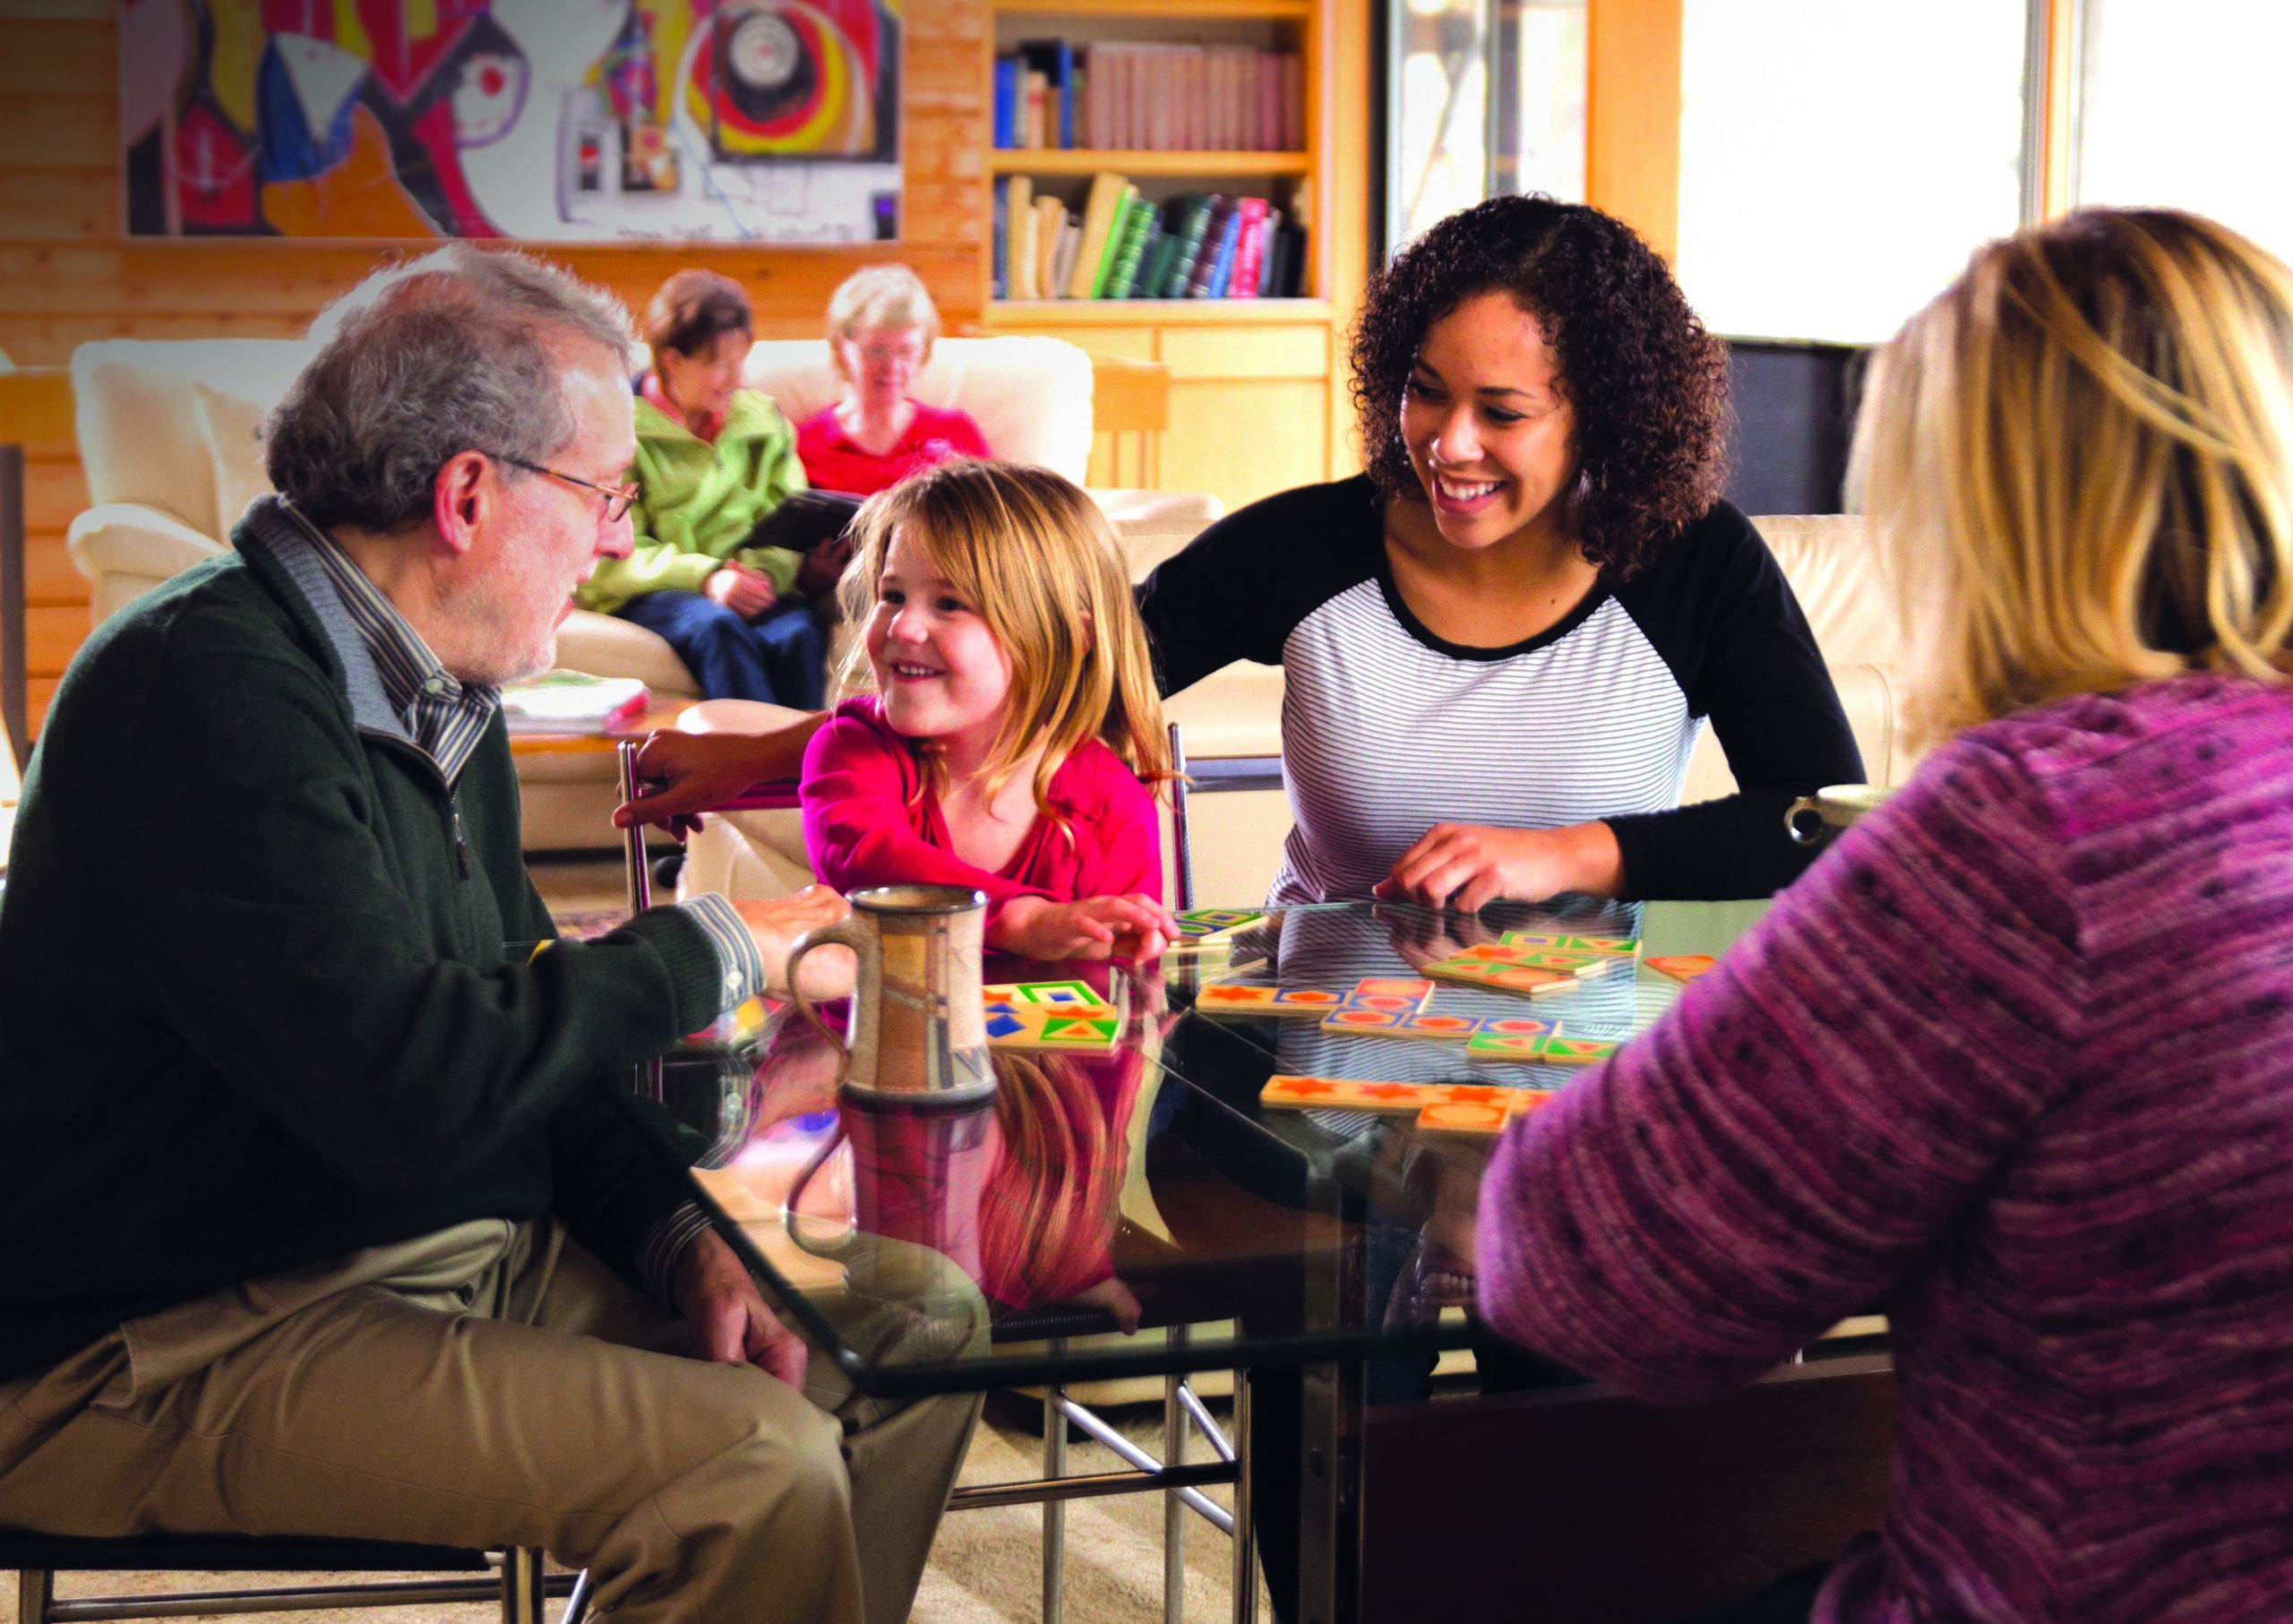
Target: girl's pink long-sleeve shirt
<point>870,818</point>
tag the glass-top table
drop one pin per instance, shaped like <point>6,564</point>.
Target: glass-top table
<point>1145,1210</point>
<point>992,1243</point>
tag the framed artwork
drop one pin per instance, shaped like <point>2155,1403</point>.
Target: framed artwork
<point>552,120</point>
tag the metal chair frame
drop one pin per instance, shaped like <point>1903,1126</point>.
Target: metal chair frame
<point>519,1580</point>
<point>1183,1412</point>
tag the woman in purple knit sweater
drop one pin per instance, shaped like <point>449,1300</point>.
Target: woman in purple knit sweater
<point>2014,1060</point>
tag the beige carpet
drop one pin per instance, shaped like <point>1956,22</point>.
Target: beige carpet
<point>986,1568</point>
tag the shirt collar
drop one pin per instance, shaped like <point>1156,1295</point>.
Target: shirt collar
<point>443,715</point>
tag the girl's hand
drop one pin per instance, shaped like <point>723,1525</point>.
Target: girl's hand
<point>1467,866</point>
<point>746,592</point>
<point>1134,926</point>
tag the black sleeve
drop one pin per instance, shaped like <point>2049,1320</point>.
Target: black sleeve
<point>1716,606</point>
<point>1238,589</point>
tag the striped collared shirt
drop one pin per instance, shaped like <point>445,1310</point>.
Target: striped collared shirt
<point>447,719</point>
<point>445,715</point>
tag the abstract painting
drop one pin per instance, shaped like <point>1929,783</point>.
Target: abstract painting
<point>553,120</point>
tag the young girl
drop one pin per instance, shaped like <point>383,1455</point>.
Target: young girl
<point>1013,719</point>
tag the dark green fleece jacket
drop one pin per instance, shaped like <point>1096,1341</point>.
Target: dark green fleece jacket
<point>261,1005</point>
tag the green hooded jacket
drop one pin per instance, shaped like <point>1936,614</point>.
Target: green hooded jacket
<point>700,501</point>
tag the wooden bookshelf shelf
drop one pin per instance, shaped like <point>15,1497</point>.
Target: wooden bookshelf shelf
<point>1257,402</point>
<point>1077,161</point>
<point>1034,314</point>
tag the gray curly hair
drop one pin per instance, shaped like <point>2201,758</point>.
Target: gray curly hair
<point>459,350</point>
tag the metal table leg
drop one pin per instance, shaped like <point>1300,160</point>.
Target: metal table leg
<point>1175,1422</point>
<point>1054,1511</point>
<point>1245,1538</point>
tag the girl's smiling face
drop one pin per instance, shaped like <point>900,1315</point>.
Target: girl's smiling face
<point>941,672</point>
<point>1489,431</point>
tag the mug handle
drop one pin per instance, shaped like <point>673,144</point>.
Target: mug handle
<point>1814,830</point>
<point>839,1247</point>
<point>844,932</point>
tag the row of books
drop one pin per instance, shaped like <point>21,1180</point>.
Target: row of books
<point>1120,95</point>
<point>1196,247</point>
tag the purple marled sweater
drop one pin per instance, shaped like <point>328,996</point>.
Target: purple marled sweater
<point>2016,1060</point>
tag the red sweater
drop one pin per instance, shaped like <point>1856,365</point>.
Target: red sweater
<point>870,818</point>
<point>832,462</point>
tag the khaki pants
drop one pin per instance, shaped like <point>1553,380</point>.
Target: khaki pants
<point>493,1384</point>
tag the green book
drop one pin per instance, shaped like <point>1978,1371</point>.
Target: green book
<point>1118,222</point>
<point>1189,220</point>
<point>1159,254</point>
<point>1136,226</point>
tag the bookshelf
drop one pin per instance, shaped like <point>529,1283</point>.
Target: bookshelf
<point>1257,397</point>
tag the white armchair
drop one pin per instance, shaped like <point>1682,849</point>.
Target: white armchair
<point>167,439</point>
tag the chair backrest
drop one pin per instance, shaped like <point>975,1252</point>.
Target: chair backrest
<point>1840,583</point>
<point>1131,405</point>
<point>171,424</point>
<point>1030,396</point>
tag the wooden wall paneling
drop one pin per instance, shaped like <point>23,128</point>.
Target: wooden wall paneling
<point>1632,115</point>
<point>1345,225</point>
<point>47,55</point>
<point>67,276</point>
<point>49,578</point>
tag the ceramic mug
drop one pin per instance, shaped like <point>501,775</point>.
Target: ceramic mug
<point>1812,818</point>
<point>918,1027</point>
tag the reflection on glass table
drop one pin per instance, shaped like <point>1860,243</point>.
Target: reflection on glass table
<point>1145,1184</point>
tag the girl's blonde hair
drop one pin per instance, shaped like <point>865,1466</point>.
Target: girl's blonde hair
<point>1037,559</point>
<point>877,296</point>
<point>2075,462</point>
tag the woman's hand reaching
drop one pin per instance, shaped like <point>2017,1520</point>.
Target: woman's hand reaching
<point>1468,866</point>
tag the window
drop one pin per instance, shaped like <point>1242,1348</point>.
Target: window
<point>1840,159</point>
<point>1488,98</point>
<point>2183,102</point>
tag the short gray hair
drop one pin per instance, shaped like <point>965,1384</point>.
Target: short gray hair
<point>459,350</point>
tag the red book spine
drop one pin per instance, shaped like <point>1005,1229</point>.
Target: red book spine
<point>1248,247</point>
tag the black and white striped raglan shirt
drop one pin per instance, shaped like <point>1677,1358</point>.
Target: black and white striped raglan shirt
<point>1387,730</point>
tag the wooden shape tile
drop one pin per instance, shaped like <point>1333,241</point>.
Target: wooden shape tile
<point>1682,967</point>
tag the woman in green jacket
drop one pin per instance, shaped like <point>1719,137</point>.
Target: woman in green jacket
<point>732,553</point>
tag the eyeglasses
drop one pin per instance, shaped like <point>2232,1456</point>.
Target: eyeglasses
<point>618,497</point>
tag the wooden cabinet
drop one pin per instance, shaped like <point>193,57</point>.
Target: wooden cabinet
<point>1257,397</point>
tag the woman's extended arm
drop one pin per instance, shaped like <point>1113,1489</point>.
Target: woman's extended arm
<point>1735,638</point>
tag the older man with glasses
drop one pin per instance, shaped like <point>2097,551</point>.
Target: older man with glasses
<point>318,1218</point>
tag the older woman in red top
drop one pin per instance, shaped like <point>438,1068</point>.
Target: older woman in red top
<point>881,326</point>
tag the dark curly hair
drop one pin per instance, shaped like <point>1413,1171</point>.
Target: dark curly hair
<point>1648,385</point>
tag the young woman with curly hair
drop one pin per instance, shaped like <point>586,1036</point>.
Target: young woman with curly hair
<point>1500,641</point>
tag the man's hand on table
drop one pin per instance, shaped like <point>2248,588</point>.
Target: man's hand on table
<point>730,1321</point>
<point>682,775</point>
<point>775,922</point>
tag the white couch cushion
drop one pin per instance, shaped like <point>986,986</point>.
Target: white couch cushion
<point>142,437</point>
<point>232,425</point>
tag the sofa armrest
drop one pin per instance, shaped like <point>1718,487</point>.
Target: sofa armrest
<point>128,548</point>
<point>130,538</point>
